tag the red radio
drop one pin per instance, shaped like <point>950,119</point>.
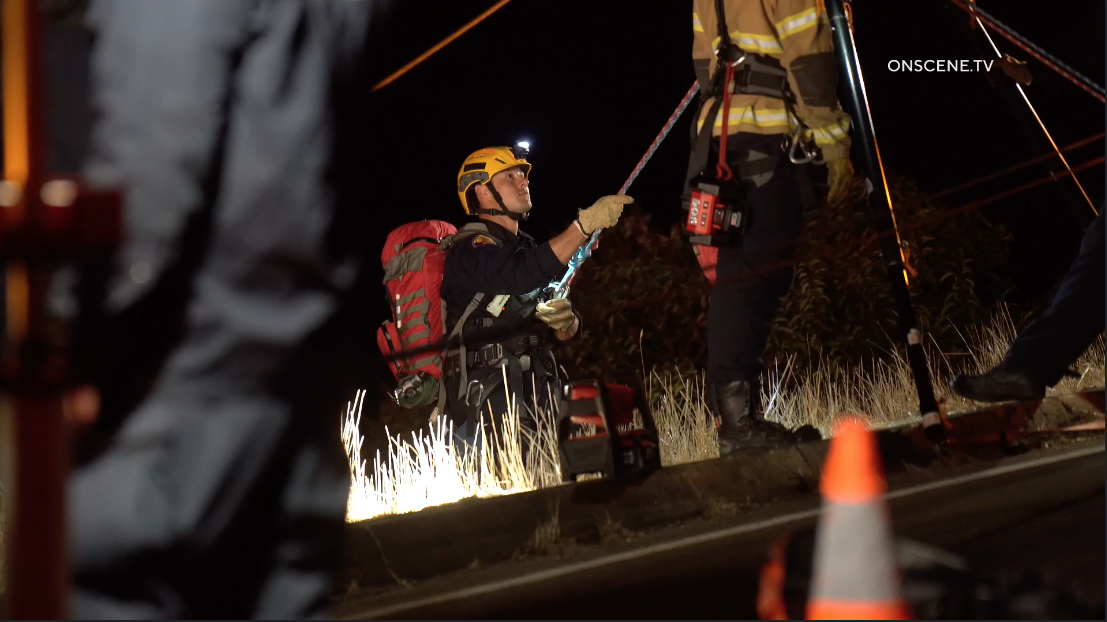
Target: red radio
<point>714,214</point>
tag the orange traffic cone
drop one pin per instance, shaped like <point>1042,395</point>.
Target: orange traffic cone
<point>854,571</point>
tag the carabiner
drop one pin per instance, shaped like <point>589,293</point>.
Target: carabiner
<point>469,391</point>
<point>797,143</point>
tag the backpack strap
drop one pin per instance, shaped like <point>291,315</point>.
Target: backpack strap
<point>467,231</point>
<point>473,304</point>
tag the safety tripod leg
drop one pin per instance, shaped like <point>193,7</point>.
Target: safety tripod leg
<point>884,221</point>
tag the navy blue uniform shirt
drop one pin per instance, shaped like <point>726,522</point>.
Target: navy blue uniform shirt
<point>515,266</point>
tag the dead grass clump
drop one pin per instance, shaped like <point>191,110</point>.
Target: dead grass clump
<point>684,425</point>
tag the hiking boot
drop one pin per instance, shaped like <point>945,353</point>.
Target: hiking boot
<point>998,385</point>
<point>734,404</point>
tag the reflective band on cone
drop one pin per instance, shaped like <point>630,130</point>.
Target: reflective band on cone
<point>854,570</point>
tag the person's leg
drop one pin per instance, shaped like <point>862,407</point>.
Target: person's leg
<point>1041,354</point>
<point>753,276</point>
<point>466,409</point>
<point>1075,318</point>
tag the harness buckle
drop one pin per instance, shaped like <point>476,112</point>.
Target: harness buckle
<point>491,352</point>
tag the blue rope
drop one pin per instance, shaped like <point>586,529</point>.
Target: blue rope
<point>560,289</point>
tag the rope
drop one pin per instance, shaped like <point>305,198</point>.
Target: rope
<point>661,136</point>
<point>441,44</point>
<point>561,287</point>
<point>1041,124</point>
<point>1006,193</point>
<point>989,177</point>
<point>1046,58</point>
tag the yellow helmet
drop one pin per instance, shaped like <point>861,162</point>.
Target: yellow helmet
<point>481,165</point>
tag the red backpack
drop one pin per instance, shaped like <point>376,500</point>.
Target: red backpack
<point>414,259</point>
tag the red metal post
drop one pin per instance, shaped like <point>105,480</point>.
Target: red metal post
<point>43,220</point>
<point>38,577</point>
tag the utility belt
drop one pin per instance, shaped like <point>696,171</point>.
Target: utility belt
<point>491,354</point>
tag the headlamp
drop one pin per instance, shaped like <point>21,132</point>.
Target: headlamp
<point>522,149</point>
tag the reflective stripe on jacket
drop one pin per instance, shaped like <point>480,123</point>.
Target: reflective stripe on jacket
<point>795,32</point>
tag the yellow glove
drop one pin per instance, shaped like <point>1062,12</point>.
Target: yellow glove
<point>557,314</point>
<point>603,213</point>
<point>839,178</point>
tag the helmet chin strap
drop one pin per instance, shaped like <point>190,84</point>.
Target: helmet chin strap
<point>503,211</point>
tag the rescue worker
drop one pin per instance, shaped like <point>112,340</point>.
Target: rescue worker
<point>783,108</point>
<point>1041,355</point>
<point>235,130</point>
<point>491,283</point>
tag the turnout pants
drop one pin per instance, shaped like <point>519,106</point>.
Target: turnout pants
<point>220,491</point>
<point>754,275</point>
<point>1050,345</point>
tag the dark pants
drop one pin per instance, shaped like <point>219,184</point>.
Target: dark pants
<point>754,275</point>
<point>489,401</point>
<point>222,487</point>
<point>1050,345</point>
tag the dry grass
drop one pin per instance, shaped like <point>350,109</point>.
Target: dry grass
<point>885,389</point>
<point>430,470</point>
<point>684,427</point>
<point>433,468</point>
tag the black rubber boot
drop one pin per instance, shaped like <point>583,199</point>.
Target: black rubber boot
<point>735,407</point>
<point>1001,384</point>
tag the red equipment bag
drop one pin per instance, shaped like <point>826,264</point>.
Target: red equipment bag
<point>414,259</point>
<point>611,450</point>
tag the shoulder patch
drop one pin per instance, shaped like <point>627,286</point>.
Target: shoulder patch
<point>482,240</point>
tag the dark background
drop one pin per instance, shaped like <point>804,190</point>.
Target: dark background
<point>590,83</point>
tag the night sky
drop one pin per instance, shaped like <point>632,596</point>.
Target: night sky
<point>590,83</point>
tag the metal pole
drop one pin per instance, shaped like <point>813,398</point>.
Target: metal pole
<point>884,220</point>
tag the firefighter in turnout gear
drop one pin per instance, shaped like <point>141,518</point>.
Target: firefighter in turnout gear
<point>768,82</point>
<point>491,285</point>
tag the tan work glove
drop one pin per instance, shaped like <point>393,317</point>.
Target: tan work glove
<point>840,179</point>
<point>603,213</point>
<point>557,314</point>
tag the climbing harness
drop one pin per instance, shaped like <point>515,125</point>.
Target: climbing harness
<point>714,203</point>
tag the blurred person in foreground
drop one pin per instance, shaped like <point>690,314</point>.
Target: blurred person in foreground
<point>213,482</point>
